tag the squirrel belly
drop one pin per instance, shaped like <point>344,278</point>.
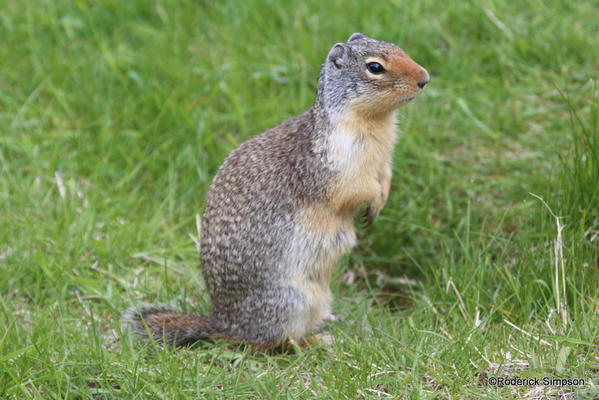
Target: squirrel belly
<point>279,214</point>
<point>320,239</point>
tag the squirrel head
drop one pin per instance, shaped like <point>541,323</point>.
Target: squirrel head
<point>369,76</point>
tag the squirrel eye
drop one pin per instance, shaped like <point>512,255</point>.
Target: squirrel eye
<point>375,68</point>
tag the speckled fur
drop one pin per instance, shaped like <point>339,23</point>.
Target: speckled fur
<point>279,214</point>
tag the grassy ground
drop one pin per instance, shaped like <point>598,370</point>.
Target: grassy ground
<point>114,116</point>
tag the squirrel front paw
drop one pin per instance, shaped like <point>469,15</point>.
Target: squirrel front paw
<point>369,215</point>
<point>376,205</point>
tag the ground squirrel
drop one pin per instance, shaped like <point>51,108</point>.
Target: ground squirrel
<point>280,211</point>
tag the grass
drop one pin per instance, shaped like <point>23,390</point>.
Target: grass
<point>114,116</point>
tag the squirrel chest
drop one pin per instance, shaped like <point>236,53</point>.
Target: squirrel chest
<point>360,151</point>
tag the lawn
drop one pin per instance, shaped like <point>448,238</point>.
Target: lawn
<point>115,115</point>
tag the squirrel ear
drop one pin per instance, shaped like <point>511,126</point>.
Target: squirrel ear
<point>358,36</point>
<point>336,54</point>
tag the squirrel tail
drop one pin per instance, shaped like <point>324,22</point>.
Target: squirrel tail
<point>171,326</point>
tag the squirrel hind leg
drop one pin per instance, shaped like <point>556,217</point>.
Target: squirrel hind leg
<point>269,318</point>
<point>171,326</point>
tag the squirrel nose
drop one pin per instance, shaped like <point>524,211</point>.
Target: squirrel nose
<point>424,80</point>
